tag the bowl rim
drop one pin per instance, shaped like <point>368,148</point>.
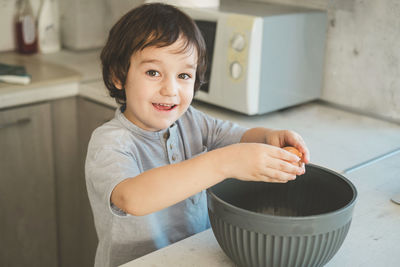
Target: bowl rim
<point>297,218</point>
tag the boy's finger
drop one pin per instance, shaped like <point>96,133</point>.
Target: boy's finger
<point>282,154</point>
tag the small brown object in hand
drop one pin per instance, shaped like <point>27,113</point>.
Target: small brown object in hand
<point>294,150</point>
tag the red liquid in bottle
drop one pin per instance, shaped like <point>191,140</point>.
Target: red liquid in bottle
<point>26,37</point>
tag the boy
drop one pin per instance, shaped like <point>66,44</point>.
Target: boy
<point>147,169</point>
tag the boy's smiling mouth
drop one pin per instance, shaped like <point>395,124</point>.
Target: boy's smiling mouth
<point>164,107</point>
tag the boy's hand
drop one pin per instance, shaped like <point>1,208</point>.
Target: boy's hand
<point>261,162</point>
<point>282,138</point>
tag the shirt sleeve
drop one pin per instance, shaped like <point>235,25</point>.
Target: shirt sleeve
<point>216,132</point>
<point>105,167</point>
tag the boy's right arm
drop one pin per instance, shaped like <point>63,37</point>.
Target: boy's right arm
<point>162,187</point>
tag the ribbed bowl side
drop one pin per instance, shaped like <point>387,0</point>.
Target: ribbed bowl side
<point>251,249</point>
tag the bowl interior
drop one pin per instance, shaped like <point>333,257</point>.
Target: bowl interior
<point>316,192</point>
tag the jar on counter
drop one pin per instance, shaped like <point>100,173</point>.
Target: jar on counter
<point>48,27</point>
<point>25,28</point>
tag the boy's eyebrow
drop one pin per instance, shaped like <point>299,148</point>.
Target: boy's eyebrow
<point>191,66</point>
<point>149,61</point>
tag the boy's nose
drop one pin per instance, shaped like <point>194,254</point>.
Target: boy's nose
<point>169,87</point>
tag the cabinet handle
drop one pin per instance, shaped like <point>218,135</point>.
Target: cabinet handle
<point>15,123</point>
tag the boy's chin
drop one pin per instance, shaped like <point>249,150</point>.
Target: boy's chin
<point>161,126</point>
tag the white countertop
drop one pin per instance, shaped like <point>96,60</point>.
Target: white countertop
<point>373,239</point>
<point>55,75</point>
<point>49,81</point>
<point>337,139</point>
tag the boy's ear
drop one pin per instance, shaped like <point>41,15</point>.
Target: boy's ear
<point>117,82</point>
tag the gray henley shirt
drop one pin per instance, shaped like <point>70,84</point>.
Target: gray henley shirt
<point>119,150</point>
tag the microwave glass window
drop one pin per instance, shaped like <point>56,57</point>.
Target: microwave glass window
<point>208,29</point>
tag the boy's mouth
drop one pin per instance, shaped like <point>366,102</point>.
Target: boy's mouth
<point>162,106</point>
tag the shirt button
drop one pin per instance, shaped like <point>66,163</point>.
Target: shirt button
<point>166,135</point>
<point>171,146</point>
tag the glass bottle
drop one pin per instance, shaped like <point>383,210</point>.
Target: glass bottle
<point>25,28</point>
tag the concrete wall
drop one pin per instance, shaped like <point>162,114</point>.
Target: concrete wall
<point>362,68</point>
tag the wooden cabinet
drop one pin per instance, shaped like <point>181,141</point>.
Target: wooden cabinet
<point>74,120</point>
<point>90,116</point>
<point>28,232</point>
<point>70,185</point>
<point>45,215</point>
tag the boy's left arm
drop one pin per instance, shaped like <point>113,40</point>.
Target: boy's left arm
<point>279,138</point>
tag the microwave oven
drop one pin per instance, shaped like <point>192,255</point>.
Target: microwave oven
<point>261,57</point>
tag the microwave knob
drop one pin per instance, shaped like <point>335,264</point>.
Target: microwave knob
<point>236,70</point>
<point>238,42</point>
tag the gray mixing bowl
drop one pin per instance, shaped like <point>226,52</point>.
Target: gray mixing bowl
<point>301,223</point>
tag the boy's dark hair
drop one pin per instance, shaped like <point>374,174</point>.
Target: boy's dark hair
<point>153,24</point>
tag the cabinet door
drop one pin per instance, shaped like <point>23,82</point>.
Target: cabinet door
<point>74,119</point>
<point>90,116</point>
<point>27,199</point>
<point>70,185</point>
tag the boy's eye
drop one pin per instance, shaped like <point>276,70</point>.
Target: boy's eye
<point>184,76</point>
<point>153,73</point>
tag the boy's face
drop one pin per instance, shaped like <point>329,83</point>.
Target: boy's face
<point>160,85</point>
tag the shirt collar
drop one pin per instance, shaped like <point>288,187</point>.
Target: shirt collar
<point>164,133</point>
